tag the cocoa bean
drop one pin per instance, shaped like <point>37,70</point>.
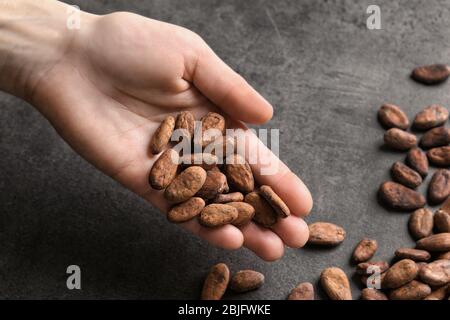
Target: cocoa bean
<point>335,283</point>
<point>400,274</point>
<point>185,121</point>
<point>431,74</point>
<point>430,117</point>
<point>399,197</point>
<point>372,294</point>
<point>206,161</point>
<point>413,254</point>
<point>442,221</point>
<point>229,197</point>
<point>185,185</point>
<point>162,135</point>
<point>392,116</point>
<point>264,213</point>
<point>216,215</point>
<point>216,282</point>
<point>436,137</point>
<point>439,187</point>
<point>304,291</point>
<point>186,210</point>
<point>245,213</point>
<point>239,174</point>
<point>417,160</point>
<point>435,242</point>
<point>164,170</point>
<point>215,183</point>
<point>439,156</point>
<point>213,127</point>
<point>365,250</point>
<point>275,201</point>
<point>325,234</point>
<point>398,139</point>
<point>436,273</point>
<point>405,175</point>
<point>246,280</point>
<point>363,267</point>
<point>421,223</point>
<point>413,290</point>
<point>438,294</point>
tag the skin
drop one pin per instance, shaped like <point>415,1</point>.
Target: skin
<point>107,86</point>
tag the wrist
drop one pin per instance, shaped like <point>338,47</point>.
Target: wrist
<point>35,36</point>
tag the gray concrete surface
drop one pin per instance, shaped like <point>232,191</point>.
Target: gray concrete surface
<point>326,75</point>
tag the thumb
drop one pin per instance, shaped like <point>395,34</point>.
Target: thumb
<point>228,90</point>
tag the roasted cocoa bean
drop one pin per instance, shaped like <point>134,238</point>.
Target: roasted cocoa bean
<point>392,116</point>
<point>264,213</point>
<point>215,183</point>
<point>213,127</point>
<point>162,135</point>
<point>366,268</point>
<point>436,137</point>
<point>239,174</point>
<point>430,117</point>
<point>417,160</point>
<point>185,121</point>
<point>245,213</point>
<point>229,197</point>
<point>304,291</point>
<point>439,156</point>
<point>399,197</point>
<point>275,201</point>
<point>365,250</point>
<point>438,294</point>
<point>185,185</point>
<point>403,174</point>
<point>421,223</point>
<point>400,274</point>
<point>325,234</point>
<point>439,187</point>
<point>442,221</point>
<point>216,282</point>
<point>435,242</point>
<point>186,211</point>
<point>436,273</point>
<point>216,215</point>
<point>431,74</point>
<point>398,139</point>
<point>413,290</point>
<point>164,170</point>
<point>335,283</point>
<point>413,254</point>
<point>372,294</point>
<point>246,280</point>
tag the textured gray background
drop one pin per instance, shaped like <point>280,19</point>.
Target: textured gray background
<point>326,75</point>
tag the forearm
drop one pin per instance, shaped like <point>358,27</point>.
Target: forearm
<point>33,38</point>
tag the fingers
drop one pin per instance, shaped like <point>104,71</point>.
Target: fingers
<point>264,242</point>
<point>293,231</point>
<point>228,90</point>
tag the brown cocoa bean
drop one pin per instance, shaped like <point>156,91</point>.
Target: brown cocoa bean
<point>400,274</point>
<point>445,255</point>
<point>363,267</point>
<point>325,234</point>
<point>436,137</point>
<point>417,160</point>
<point>431,74</point>
<point>216,215</point>
<point>206,161</point>
<point>222,147</point>
<point>365,250</point>
<point>435,242</point>
<point>335,283</point>
<point>399,197</point>
<point>185,185</point>
<point>421,223</point>
<point>438,294</point>
<point>215,183</point>
<point>413,254</point>
<point>185,121</point>
<point>372,294</point>
<point>439,156</point>
<point>442,221</point>
<point>439,187</point>
<point>216,282</point>
<point>246,280</point>
<point>213,127</point>
<point>186,211</point>
<point>275,201</point>
<point>398,139</point>
<point>239,174</point>
<point>413,290</point>
<point>229,197</point>
<point>436,273</point>
<point>164,170</point>
<point>264,213</point>
<point>245,213</point>
<point>162,135</point>
<point>405,175</point>
<point>392,116</point>
<point>304,291</point>
<point>430,117</point>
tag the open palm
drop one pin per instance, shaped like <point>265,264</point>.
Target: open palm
<point>121,75</point>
